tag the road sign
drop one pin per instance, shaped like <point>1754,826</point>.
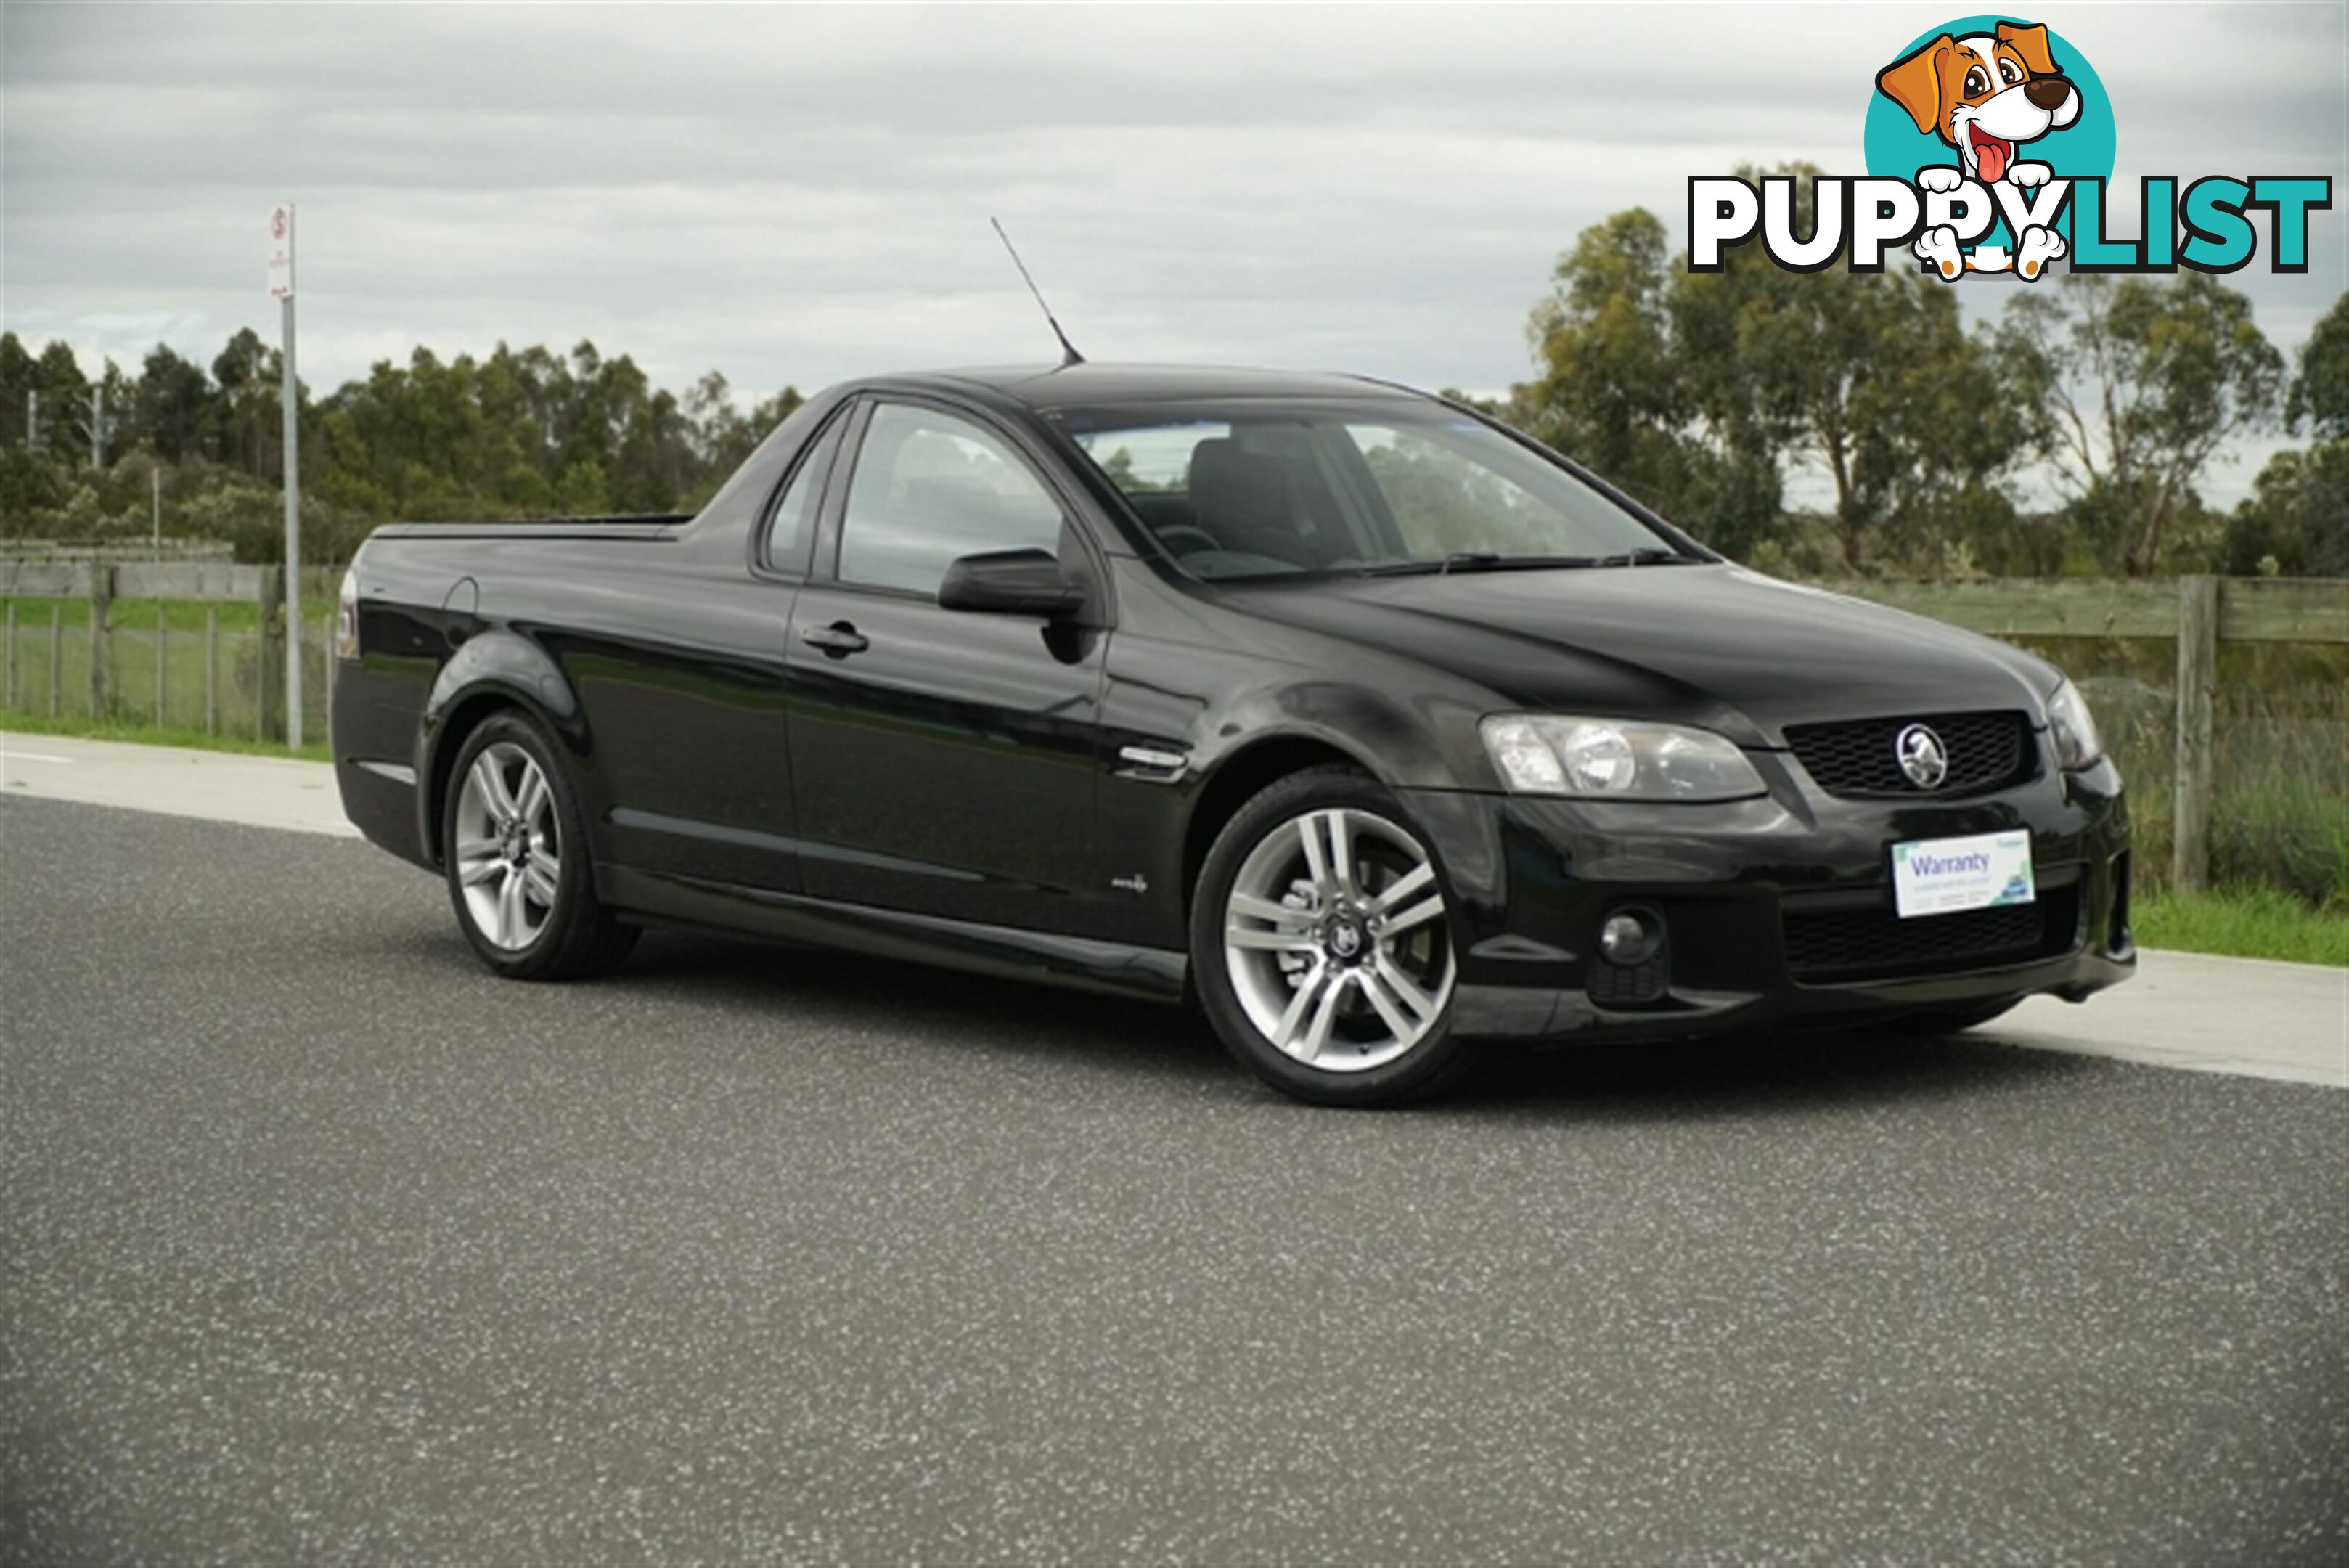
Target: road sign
<point>281,251</point>
<point>281,289</point>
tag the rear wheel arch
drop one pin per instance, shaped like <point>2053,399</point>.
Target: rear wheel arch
<point>448,728</point>
<point>494,668</point>
<point>447,738</point>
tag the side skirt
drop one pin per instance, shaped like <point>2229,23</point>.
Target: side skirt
<point>1155,974</point>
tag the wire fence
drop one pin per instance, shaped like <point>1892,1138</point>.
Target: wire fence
<point>211,668</point>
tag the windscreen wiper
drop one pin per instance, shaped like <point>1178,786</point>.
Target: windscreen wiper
<point>1461,561</point>
<point>1648,555</point>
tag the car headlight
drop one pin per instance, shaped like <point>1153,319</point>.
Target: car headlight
<point>1616,759</point>
<point>2074,731</point>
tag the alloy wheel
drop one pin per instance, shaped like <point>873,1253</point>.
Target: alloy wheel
<point>1335,941</point>
<point>508,856</point>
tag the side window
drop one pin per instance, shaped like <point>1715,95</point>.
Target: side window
<point>792,522</point>
<point>929,487</point>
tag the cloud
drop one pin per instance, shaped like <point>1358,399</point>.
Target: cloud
<point>800,194</point>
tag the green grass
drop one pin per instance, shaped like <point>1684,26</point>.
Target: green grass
<point>2251,922</point>
<point>179,615</point>
<point>149,735</point>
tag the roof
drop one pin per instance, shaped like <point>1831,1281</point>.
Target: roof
<point>1043,386</point>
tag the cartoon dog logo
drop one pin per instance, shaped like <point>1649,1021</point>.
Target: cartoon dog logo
<point>1987,95</point>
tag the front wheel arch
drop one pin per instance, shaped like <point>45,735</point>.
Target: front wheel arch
<point>1239,779</point>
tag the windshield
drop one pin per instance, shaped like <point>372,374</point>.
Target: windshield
<point>1272,489</point>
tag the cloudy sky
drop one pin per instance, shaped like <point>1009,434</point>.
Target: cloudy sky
<point>799,195</point>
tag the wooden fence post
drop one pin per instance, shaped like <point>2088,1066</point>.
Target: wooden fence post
<point>11,653</point>
<point>269,679</point>
<point>162,632</point>
<point>101,640</point>
<point>56,654</point>
<point>212,669</point>
<point>2198,661</point>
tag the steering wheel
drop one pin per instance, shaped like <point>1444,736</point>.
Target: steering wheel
<point>1206,541</point>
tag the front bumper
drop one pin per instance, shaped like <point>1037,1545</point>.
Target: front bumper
<point>1775,911</point>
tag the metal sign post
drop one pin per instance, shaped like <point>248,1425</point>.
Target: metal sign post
<point>281,288</point>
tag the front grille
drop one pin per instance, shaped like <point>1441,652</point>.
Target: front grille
<point>1985,751</point>
<point>1826,945</point>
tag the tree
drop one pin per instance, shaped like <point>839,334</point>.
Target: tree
<point>2132,388</point>
<point>655,454</point>
<point>64,404</point>
<point>2320,393</point>
<point>118,393</point>
<point>2295,522</point>
<point>176,411</point>
<point>250,426</point>
<point>1613,391</point>
<point>1871,377</point>
<point>29,488</point>
<point>1687,389</point>
<point>1610,384</point>
<point>2296,519</point>
<point>521,432</point>
<point>16,378</point>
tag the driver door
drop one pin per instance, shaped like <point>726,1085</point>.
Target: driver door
<point>943,762</point>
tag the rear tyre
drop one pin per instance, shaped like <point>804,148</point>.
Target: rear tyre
<point>514,846</point>
<point>1321,944</point>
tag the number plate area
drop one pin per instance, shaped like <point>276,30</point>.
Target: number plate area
<point>1944,876</point>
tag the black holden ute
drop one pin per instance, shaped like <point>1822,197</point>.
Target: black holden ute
<point>1367,724</point>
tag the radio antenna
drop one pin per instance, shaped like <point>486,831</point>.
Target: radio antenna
<point>1067,348</point>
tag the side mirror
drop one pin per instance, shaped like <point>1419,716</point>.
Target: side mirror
<point>1011,582</point>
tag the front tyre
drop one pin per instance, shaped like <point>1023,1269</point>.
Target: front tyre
<point>1321,944</point>
<point>514,848</point>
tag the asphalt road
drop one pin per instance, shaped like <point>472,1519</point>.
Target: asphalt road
<point>316,1242</point>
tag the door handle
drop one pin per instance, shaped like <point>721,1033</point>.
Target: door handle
<point>838,640</point>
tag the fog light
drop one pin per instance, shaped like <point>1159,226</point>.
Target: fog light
<point>1627,938</point>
